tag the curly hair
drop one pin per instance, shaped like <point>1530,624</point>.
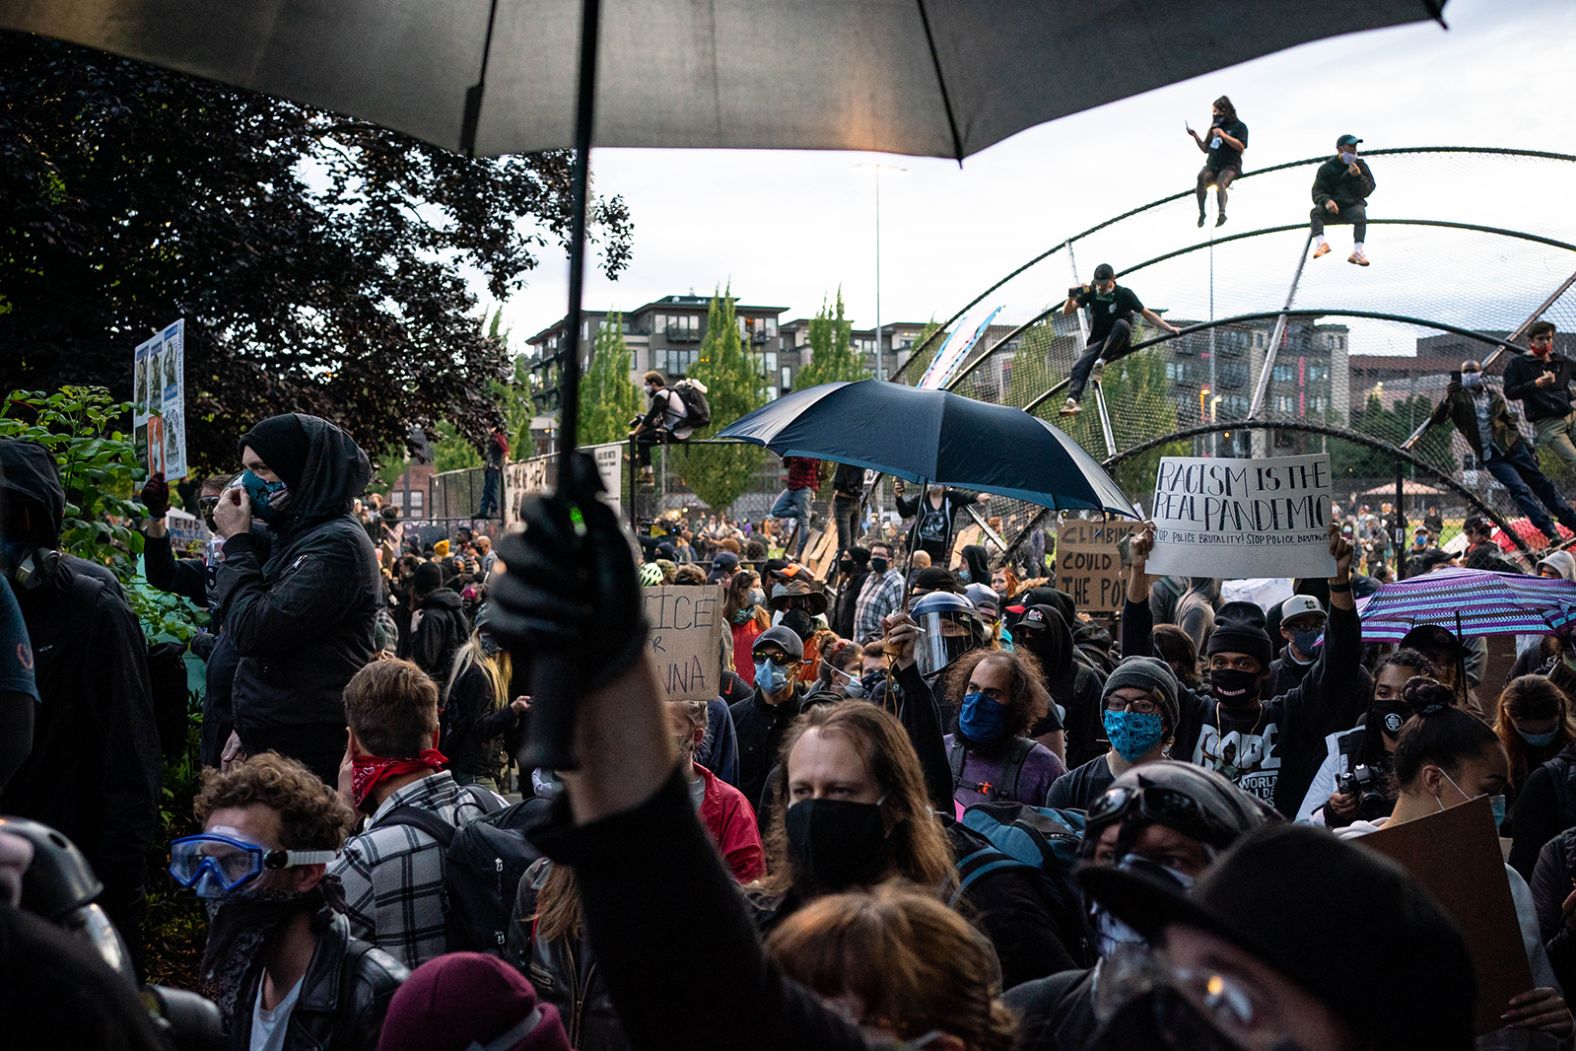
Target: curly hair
<point>1027,698</point>
<point>913,965</point>
<point>311,815</point>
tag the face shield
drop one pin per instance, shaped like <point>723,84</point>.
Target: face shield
<point>948,635</point>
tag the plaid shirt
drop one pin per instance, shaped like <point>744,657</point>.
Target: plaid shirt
<point>880,596</point>
<point>803,472</point>
<point>392,875</point>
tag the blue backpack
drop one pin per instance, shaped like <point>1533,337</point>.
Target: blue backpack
<point>1044,839</point>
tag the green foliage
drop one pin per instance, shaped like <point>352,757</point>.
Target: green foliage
<point>832,354</point>
<point>1136,389</point>
<point>719,474</point>
<point>608,397</point>
<point>1393,425</point>
<point>518,408</point>
<point>453,451</point>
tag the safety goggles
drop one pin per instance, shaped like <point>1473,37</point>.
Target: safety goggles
<point>233,862</point>
<point>1163,806</point>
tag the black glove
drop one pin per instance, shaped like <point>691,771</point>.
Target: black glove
<point>155,496</point>
<point>568,595</point>
<point>202,644</point>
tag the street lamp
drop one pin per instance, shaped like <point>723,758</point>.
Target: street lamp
<point>878,168</point>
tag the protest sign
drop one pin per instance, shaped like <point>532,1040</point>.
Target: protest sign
<point>521,478</point>
<point>1236,518</point>
<point>1455,854</point>
<point>159,394</point>
<point>610,465</point>
<point>685,641</point>
<point>1089,564</point>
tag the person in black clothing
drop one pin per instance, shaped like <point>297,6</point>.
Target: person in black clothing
<point>853,569</point>
<point>1340,195</point>
<point>848,487</point>
<point>93,771</point>
<point>1301,623</point>
<point>1111,308</point>
<point>438,627</point>
<point>1541,381</point>
<point>18,687</point>
<point>303,618</point>
<point>495,452</point>
<point>1139,713</point>
<point>938,508</point>
<point>477,716</point>
<point>1224,145</point>
<point>663,423</point>
<point>761,719</point>
<point>1072,727</point>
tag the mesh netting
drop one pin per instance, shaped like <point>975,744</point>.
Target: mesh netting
<point>1466,246</point>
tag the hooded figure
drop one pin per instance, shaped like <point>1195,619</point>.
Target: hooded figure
<point>303,620</point>
<point>438,624</point>
<point>93,771</point>
<point>976,564</point>
<point>1073,686</point>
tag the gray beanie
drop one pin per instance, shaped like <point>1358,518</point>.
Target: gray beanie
<point>1147,673</point>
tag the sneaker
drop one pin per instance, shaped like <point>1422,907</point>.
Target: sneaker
<point>1071,407</point>
<point>1201,220</point>
<point>1358,258</point>
<point>1323,249</point>
<point>1220,220</point>
<point>1099,366</point>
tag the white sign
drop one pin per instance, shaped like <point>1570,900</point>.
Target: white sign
<point>159,402</point>
<point>610,465</point>
<point>1228,518</point>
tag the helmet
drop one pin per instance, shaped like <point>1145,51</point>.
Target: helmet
<point>650,575</point>
<point>986,601</point>
<point>1190,799</point>
<point>951,628</point>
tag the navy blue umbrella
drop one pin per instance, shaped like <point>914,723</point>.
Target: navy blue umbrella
<point>935,437</point>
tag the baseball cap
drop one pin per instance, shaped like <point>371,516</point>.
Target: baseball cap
<point>784,637</point>
<point>1300,606</point>
<point>1104,272</point>
<point>1348,140</point>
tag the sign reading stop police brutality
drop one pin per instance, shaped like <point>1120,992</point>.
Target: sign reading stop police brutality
<point>685,641</point>
<point>1233,519</point>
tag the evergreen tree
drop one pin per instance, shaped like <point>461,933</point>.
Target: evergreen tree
<point>608,397</point>
<point>735,385</point>
<point>832,353</point>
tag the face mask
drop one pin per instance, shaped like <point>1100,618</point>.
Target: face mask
<point>879,565</point>
<point>1391,717</point>
<point>1133,734</point>
<point>846,568</point>
<point>868,683</point>
<point>834,844</point>
<point>268,498</point>
<point>1348,157</point>
<point>770,677</point>
<point>1110,932</point>
<point>757,597</point>
<point>981,719</point>
<point>1305,640</point>
<point>799,622</point>
<point>1496,803</point>
<point>1162,1016</point>
<point>1538,740</point>
<point>1472,380</point>
<point>850,685</point>
<point>1233,687</point>
<point>238,927</point>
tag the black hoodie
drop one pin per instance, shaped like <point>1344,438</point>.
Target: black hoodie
<point>1072,685</point>
<point>302,621</point>
<point>439,634</point>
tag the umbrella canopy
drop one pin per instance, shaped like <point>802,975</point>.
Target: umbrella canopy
<point>938,437</point>
<point>942,78</point>
<point>1486,604</point>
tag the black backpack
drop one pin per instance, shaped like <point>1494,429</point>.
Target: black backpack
<point>1011,771</point>
<point>697,410</point>
<point>483,861</point>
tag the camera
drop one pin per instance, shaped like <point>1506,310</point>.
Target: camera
<point>1075,291</point>
<point>1367,786</point>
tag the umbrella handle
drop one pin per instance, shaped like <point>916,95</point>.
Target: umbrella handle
<point>913,545</point>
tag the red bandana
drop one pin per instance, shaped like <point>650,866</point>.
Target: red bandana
<point>369,771</point>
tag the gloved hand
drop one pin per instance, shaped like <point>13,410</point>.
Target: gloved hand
<point>155,496</point>
<point>569,593</point>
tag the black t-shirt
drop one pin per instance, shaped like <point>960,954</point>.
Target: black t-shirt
<point>1105,310</point>
<point>1222,156</point>
<point>1079,788</point>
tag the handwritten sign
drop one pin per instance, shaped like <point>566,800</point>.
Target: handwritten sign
<point>1088,564</point>
<point>1236,518</point>
<point>685,641</point>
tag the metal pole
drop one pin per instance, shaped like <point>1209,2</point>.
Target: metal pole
<point>585,119</point>
<point>1214,438</point>
<point>880,367</point>
<point>1398,536</point>
<point>1277,335</point>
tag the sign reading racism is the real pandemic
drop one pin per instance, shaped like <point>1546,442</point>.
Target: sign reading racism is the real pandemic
<point>1233,519</point>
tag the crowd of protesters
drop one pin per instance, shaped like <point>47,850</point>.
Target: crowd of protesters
<point>822,854</point>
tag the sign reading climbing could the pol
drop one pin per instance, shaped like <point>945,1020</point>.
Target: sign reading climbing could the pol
<point>1242,518</point>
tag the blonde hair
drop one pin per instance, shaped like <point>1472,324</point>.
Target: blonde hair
<point>499,669</point>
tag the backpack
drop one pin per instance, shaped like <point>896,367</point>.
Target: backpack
<point>697,410</point>
<point>483,861</point>
<point>1044,840</point>
<point>1011,772</point>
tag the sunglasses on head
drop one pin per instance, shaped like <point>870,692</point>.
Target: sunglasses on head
<point>1163,806</point>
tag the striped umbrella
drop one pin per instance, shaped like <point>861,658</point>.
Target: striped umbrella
<point>1469,602</point>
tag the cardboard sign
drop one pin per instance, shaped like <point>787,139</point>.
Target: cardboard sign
<point>1236,518</point>
<point>1455,854</point>
<point>1088,563</point>
<point>685,641</point>
<point>158,393</point>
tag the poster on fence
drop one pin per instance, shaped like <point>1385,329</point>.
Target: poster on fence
<point>158,396</point>
<point>610,465</point>
<point>1089,562</point>
<point>685,641</point>
<point>1236,518</point>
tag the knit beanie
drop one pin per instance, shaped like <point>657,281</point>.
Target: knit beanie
<point>1239,628</point>
<point>1147,673</point>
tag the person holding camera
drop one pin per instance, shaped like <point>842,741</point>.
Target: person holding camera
<point>1340,195</point>
<point>1224,146</point>
<point>1111,308</point>
<point>1541,381</point>
<point>663,423</point>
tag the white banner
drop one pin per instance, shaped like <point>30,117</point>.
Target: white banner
<point>1234,519</point>
<point>610,465</point>
<point>159,402</point>
<point>956,347</point>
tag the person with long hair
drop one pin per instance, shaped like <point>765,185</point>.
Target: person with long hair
<point>743,609</point>
<point>1000,695</point>
<point>1445,758</point>
<point>1533,721</point>
<point>1544,806</point>
<point>1223,147</point>
<point>1176,647</point>
<point>478,715</point>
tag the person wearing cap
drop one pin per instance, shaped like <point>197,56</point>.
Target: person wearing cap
<point>723,565</point>
<point>1259,949</point>
<point>880,595</point>
<point>303,618</point>
<point>470,1001</point>
<point>1301,624</point>
<point>1139,713</point>
<point>853,568</point>
<point>1167,819</point>
<point>934,578</point>
<point>761,719</point>
<point>438,627</point>
<point>801,608</point>
<point>1070,726</point>
<point>1340,195</point>
<point>1111,308</point>
<point>1457,663</point>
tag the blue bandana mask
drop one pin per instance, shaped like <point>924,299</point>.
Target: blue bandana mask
<point>267,497</point>
<point>771,678</point>
<point>981,719</point>
<point>1133,734</point>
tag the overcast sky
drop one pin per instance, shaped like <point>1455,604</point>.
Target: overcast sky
<point>788,228</point>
